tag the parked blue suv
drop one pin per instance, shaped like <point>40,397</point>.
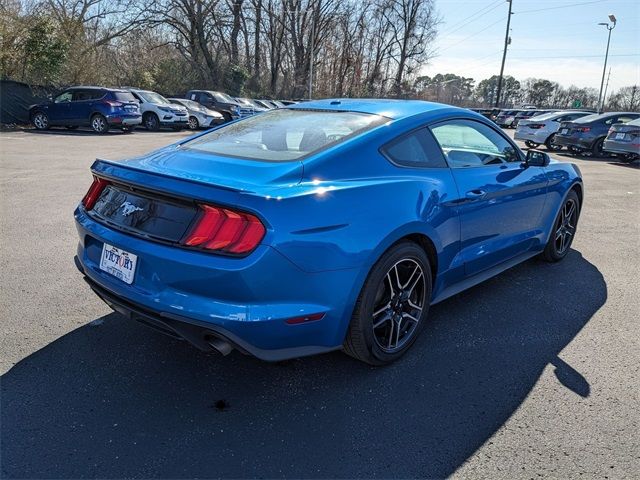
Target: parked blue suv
<point>96,107</point>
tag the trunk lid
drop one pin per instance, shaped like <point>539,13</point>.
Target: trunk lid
<point>566,128</point>
<point>236,174</point>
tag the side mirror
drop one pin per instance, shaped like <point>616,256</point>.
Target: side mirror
<point>536,158</point>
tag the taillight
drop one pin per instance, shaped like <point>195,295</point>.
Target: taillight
<point>536,125</point>
<point>583,129</point>
<point>225,230</point>
<point>113,103</point>
<point>94,192</point>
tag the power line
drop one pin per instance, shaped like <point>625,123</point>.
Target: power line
<point>582,56</point>
<point>462,23</point>
<point>472,35</point>
<point>560,6</point>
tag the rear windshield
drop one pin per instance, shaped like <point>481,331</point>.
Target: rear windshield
<point>545,116</point>
<point>123,96</point>
<point>589,118</point>
<point>284,135</point>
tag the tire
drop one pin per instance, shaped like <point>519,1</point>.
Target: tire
<point>564,229</point>
<point>71,127</point>
<point>227,117</point>
<point>531,144</point>
<point>151,121</point>
<point>550,145</point>
<point>399,318</point>
<point>99,124</point>
<point>596,150</point>
<point>193,123</point>
<point>41,121</point>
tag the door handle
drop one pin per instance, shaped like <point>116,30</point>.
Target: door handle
<point>476,193</point>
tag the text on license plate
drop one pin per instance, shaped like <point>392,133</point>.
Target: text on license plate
<point>619,136</point>
<point>119,263</point>
<point>564,131</point>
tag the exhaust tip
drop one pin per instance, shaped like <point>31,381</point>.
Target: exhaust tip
<point>221,346</point>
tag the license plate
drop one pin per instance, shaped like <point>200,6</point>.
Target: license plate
<point>119,263</point>
<point>619,136</point>
<point>564,131</point>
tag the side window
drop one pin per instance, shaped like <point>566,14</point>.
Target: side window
<point>63,97</point>
<point>83,95</point>
<point>416,149</point>
<point>137,97</point>
<point>466,143</point>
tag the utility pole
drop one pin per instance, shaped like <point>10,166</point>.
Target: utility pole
<point>504,55</point>
<point>609,27</point>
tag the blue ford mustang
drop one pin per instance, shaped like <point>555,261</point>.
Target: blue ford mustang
<point>326,225</point>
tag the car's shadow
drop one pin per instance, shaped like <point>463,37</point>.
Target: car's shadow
<point>76,132</point>
<point>115,399</point>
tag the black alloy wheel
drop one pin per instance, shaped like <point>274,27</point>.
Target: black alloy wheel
<point>564,229</point>
<point>151,121</point>
<point>392,307</point>
<point>597,149</point>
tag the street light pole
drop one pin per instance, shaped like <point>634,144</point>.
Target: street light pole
<point>504,56</point>
<point>311,56</point>
<point>609,27</point>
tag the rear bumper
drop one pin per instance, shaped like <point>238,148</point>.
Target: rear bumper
<point>128,120</point>
<point>536,136</point>
<point>576,142</point>
<point>244,300</point>
<point>202,335</point>
<point>620,147</point>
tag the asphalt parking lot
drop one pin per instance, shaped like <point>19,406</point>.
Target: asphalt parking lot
<point>533,373</point>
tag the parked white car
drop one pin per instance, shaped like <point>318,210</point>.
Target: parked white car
<point>199,115</point>
<point>541,129</point>
<point>158,112</point>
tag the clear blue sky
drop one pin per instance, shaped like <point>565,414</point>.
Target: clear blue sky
<point>471,39</point>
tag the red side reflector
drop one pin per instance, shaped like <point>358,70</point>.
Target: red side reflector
<point>94,192</point>
<point>308,318</point>
<point>226,230</point>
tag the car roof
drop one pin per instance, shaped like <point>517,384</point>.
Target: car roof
<point>89,87</point>
<point>394,109</point>
<point>594,117</point>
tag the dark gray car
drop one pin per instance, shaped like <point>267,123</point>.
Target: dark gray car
<point>624,140</point>
<point>587,134</point>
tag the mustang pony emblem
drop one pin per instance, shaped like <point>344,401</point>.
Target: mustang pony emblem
<point>128,208</point>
